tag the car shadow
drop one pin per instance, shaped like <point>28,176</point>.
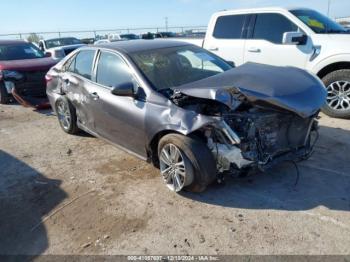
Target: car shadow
<point>46,112</point>
<point>324,180</point>
<point>26,197</point>
<point>50,112</point>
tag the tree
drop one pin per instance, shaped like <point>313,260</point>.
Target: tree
<point>34,38</point>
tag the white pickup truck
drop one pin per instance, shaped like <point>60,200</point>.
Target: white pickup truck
<point>296,37</point>
<point>58,48</point>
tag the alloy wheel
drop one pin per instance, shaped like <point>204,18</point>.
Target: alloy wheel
<point>64,115</point>
<point>338,95</point>
<point>174,168</point>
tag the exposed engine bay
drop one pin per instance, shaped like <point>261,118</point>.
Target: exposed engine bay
<point>252,135</point>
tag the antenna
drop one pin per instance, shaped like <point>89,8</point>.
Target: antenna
<point>166,23</point>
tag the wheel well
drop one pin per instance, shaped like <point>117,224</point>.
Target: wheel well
<point>153,146</point>
<point>333,67</point>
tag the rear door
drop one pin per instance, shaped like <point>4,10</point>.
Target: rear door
<point>77,84</point>
<point>264,44</point>
<point>227,38</point>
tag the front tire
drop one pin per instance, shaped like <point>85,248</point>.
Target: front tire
<point>66,116</point>
<point>186,163</point>
<point>4,97</point>
<point>338,94</point>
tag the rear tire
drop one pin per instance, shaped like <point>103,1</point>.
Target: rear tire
<point>199,163</point>
<point>4,97</point>
<point>66,115</point>
<point>338,88</point>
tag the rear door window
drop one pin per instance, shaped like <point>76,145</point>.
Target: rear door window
<point>112,70</point>
<point>271,27</point>
<point>229,27</point>
<point>83,63</point>
<point>69,66</point>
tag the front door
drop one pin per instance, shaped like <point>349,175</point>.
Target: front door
<point>119,119</point>
<point>265,44</point>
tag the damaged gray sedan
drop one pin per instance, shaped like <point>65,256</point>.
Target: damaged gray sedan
<point>186,110</point>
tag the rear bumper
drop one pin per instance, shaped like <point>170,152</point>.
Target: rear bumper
<point>38,102</point>
<point>30,89</point>
<point>52,98</point>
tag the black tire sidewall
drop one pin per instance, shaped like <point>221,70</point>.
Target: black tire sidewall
<point>4,97</point>
<point>339,75</point>
<point>200,157</point>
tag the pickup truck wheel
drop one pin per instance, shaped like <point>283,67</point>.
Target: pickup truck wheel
<point>4,97</point>
<point>66,116</point>
<point>185,163</point>
<point>338,94</point>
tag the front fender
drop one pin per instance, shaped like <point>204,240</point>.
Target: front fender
<point>338,58</point>
<point>171,118</point>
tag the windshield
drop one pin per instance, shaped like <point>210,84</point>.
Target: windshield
<point>319,23</point>
<point>129,37</point>
<point>20,52</point>
<point>171,67</point>
<point>62,42</point>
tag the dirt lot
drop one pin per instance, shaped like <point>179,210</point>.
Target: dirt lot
<point>62,194</point>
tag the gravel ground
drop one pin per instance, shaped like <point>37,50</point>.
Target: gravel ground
<point>62,194</point>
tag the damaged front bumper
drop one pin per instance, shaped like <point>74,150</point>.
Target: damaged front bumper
<point>228,149</point>
<point>28,93</point>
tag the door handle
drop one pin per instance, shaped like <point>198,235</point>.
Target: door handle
<point>214,49</point>
<point>94,96</point>
<point>254,50</point>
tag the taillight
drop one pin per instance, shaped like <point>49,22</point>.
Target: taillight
<point>48,78</point>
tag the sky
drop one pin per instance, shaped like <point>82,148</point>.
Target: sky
<point>23,16</point>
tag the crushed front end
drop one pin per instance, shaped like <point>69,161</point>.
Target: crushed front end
<point>260,138</point>
<point>264,114</point>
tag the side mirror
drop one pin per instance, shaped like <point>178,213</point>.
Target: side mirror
<point>48,54</point>
<point>125,89</point>
<point>294,38</point>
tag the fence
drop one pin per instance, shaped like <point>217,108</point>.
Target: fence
<point>102,33</point>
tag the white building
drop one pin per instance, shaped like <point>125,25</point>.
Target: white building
<point>345,21</point>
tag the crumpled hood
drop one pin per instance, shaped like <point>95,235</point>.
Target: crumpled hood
<point>288,88</point>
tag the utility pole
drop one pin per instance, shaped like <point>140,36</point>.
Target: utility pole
<point>329,8</point>
<point>166,24</point>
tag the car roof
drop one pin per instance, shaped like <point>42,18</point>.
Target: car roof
<point>261,9</point>
<point>132,46</point>
<point>12,42</point>
<point>59,38</point>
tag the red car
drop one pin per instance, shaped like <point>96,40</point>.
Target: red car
<point>23,67</point>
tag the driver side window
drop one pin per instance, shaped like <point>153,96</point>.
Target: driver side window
<point>271,27</point>
<point>112,71</point>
